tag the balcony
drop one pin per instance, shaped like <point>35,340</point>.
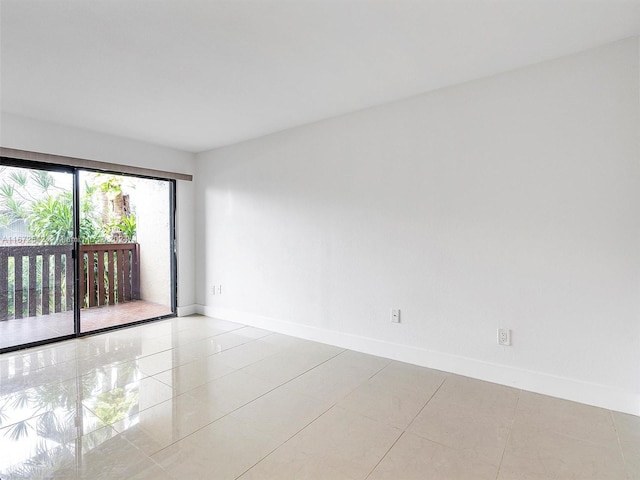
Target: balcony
<point>36,290</point>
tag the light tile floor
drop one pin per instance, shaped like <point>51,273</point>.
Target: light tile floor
<point>199,398</point>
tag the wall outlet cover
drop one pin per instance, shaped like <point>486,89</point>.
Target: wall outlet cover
<point>504,336</point>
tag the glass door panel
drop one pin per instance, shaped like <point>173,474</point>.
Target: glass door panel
<point>36,256</point>
<point>125,251</point>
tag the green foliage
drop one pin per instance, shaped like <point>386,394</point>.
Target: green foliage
<point>51,219</point>
<point>49,213</point>
<point>115,405</point>
<point>14,210</point>
<point>112,186</point>
<point>19,178</point>
<point>11,209</point>
<point>91,233</point>
<point>43,179</point>
<point>128,227</point>
<point>6,190</point>
<point>91,229</point>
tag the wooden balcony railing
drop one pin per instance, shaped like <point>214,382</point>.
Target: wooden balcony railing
<point>31,267</point>
<point>38,279</point>
<point>114,276</point>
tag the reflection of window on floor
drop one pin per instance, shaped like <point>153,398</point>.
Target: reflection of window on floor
<point>39,426</point>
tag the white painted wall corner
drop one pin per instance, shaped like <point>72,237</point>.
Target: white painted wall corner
<point>187,310</point>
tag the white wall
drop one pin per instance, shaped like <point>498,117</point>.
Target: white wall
<point>151,200</point>
<point>512,201</point>
<point>29,134</point>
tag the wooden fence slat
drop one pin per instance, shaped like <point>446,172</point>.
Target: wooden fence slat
<point>69,278</point>
<point>83,279</point>
<point>4,287</point>
<point>127,275</point>
<point>111,277</point>
<point>100,279</point>
<point>135,272</point>
<point>91,279</point>
<point>45,284</point>
<point>121,275</point>
<point>57,282</point>
<point>17,296</point>
<point>33,291</point>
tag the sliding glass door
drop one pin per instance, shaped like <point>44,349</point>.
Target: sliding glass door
<point>125,235</point>
<point>110,235</point>
<point>36,255</point>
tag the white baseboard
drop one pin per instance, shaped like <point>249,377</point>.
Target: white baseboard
<point>570,389</point>
<point>187,310</point>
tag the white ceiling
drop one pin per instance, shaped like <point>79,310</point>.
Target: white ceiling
<point>195,74</point>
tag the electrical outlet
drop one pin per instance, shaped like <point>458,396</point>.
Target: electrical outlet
<point>504,336</point>
<point>213,290</point>
<point>219,290</point>
<point>395,315</point>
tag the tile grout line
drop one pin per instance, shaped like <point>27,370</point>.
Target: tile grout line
<point>506,444</point>
<point>173,396</point>
<point>333,405</point>
<point>203,358</point>
<point>284,442</point>
<point>247,403</point>
<point>427,402</point>
<point>624,457</point>
<point>404,431</point>
<point>80,358</point>
<point>402,434</point>
<point>146,375</point>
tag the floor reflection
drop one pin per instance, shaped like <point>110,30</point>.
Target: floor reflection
<point>100,406</point>
<point>55,429</point>
<point>41,429</point>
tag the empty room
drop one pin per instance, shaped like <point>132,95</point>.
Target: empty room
<point>320,239</point>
